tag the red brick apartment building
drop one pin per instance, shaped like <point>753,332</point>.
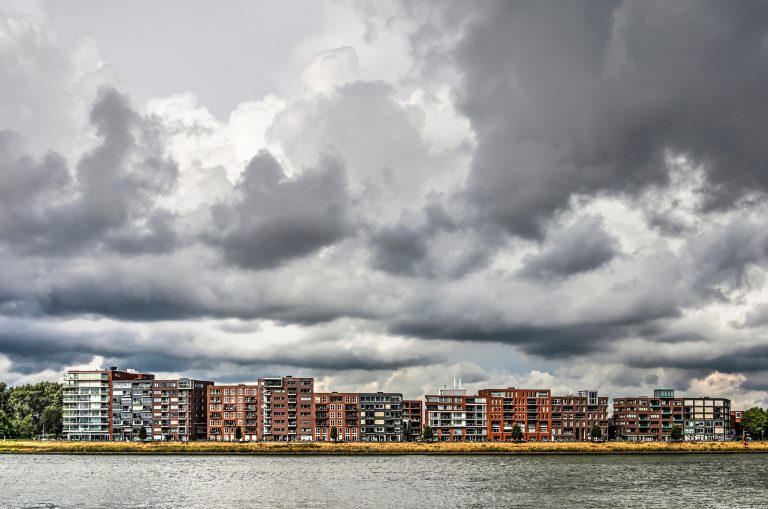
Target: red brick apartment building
<point>88,409</point>
<point>530,408</point>
<point>738,431</point>
<point>643,418</point>
<point>179,410</point>
<point>286,411</point>
<point>574,416</point>
<point>413,418</point>
<point>455,416</point>
<point>340,410</point>
<point>231,407</point>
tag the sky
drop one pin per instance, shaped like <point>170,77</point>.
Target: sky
<point>388,195</point>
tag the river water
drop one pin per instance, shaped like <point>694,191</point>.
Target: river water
<point>648,481</point>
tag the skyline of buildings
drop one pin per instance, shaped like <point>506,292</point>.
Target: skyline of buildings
<point>113,404</point>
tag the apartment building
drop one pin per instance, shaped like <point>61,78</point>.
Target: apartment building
<point>413,418</point>
<point>87,412</point>
<point>381,417</point>
<point>528,408</point>
<point>340,410</point>
<point>738,431</point>
<point>574,416</point>
<point>643,418</point>
<point>455,416</point>
<point>131,409</point>
<point>286,411</point>
<point>230,407</point>
<point>179,410</point>
<point>707,419</point>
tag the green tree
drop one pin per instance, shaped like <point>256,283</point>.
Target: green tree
<point>238,433</point>
<point>334,433</point>
<point>51,421</point>
<point>25,428</point>
<point>427,433</point>
<point>755,421</point>
<point>142,433</point>
<point>517,432</point>
<point>4,394</point>
<point>596,432</point>
<point>676,433</point>
<point>7,429</point>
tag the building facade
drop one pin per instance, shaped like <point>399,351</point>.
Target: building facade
<point>286,409</point>
<point>381,417</point>
<point>131,409</point>
<point>707,419</point>
<point>528,408</point>
<point>340,410</point>
<point>573,417</point>
<point>413,419</point>
<point>87,412</point>
<point>643,418</point>
<point>455,416</point>
<point>179,409</point>
<point>738,430</point>
<point>231,407</point>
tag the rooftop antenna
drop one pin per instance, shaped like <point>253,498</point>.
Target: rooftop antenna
<point>459,383</point>
<point>454,383</point>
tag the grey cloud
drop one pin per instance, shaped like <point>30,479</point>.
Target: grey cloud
<point>757,317</point>
<point>44,346</point>
<point>399,250</point>
<point>581,247</point>
<point>433,243</point>
<point>577,99</point>
<point>749,359</point>
<point>272,219</point>
<point>720,259</point>
<point>111,202</point>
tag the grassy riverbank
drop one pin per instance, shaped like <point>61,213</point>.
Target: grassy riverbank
<point>33,447</point>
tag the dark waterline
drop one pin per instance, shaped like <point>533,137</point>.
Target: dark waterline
<point>642,481</point>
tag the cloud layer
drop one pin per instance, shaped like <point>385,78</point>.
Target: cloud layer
<point>517,194</point>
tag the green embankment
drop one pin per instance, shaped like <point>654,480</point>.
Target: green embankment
<point>35,447</point>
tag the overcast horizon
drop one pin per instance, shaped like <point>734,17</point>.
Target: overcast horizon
<point>388,195</point>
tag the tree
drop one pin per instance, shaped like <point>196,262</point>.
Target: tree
<point>142,433</point>
<point>25,428</point>
<point>238,433</point>
<point>427,433</point>
<point>334,433</point>
<point>517,432</point>
<point>754,421</point>
<point>7,429</point>
<point>676,433</point>
<point>596,432</point>
<point>51,421</point>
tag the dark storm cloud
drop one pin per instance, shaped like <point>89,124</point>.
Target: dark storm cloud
<point>111,202</point>
<point>544,341</point>
<point>399,249</point>
<point>588,97</point>
<point>582,247</point>
<point>757,317</point>
<point>32,349</point>
<point>143,298</point>
<point>272,219</point>
<point>742,360</point>
<point>412,246</point>
<point>721,259</point>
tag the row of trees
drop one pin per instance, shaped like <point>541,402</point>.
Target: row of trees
<point>31,409</point>
<point>755,422</point>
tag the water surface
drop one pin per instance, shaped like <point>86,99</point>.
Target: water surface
<point>206,482</point>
